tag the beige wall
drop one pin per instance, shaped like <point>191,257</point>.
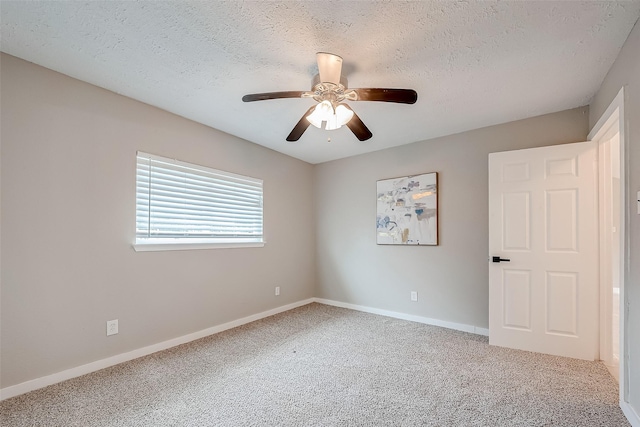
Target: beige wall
<point>68,190</point>
<point>68,207</point>
<point>626,72</point>
<point>452,278</point>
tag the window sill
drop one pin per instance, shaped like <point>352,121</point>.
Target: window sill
<point>153,247</point>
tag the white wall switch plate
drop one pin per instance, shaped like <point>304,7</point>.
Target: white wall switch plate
<point>112,327</point>
<point>638,202</point>
<point>414,296</point>
<point>277,290</point>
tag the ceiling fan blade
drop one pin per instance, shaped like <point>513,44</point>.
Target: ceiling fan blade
<point>272,95</point>
<point>329,67</point>
<point>402,96</point>
<point>300,127</point>
<point>359,129</point>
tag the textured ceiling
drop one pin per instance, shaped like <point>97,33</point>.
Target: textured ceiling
<point>472,63</point>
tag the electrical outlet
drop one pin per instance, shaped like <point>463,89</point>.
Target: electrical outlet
<point>414,296</point>
<point>112,327</point>
<point>277,290</point>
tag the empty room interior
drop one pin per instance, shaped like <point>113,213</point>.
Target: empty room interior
<point>320,213</point>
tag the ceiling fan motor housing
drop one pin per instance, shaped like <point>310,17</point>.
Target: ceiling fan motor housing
<point>334,93</point>
<point>316,80</point>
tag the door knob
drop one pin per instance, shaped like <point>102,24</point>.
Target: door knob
<point>498,259</point>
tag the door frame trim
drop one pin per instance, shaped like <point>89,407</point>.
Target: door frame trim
<point>613,113</point>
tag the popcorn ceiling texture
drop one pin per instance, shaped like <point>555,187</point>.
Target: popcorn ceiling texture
<point>325,366</point>
<point>473,64</point>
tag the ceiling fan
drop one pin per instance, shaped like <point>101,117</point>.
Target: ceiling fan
<point>329,89</point>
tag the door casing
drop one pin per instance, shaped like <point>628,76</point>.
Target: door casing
<point>614,116</point>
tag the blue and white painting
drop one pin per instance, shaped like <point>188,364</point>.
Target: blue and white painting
<point>407,210</point>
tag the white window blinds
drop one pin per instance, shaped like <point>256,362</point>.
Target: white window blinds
<point>177,202</point>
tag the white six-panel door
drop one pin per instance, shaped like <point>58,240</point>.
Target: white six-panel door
<point>543,219</point>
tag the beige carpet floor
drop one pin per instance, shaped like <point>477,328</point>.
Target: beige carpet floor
<point>325,366</point>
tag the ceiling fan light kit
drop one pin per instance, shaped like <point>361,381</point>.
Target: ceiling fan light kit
<point>332,117</point>
<point>329,91</point>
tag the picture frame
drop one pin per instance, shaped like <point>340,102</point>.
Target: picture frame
<point>407,210</point>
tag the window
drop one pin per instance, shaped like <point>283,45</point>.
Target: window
<point>185,206</point>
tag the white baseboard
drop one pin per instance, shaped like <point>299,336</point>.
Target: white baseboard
<point>630,413</point>
<point>41,382</point>
<point>404,316</point>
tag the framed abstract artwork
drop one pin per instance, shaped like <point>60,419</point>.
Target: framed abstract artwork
<point>407,210</point>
